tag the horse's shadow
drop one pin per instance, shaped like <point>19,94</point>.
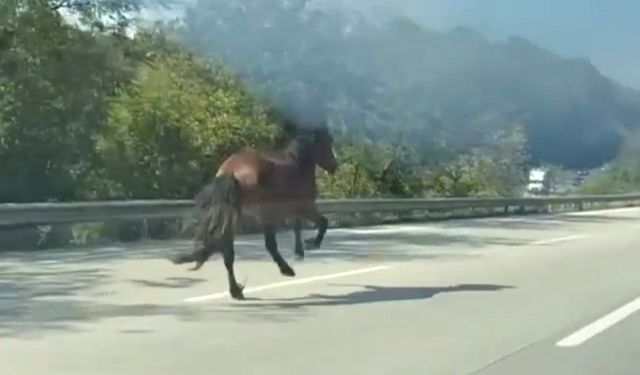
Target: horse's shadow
<point>373,294</point>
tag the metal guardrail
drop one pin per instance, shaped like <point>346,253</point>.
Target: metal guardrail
<point>74,212</point>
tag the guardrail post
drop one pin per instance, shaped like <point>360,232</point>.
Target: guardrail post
<point>144,229</point>
<point>580,206</point>
<point>404,215</point>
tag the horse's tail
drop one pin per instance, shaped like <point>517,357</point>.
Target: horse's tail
<point>219,203</point>
<point>218,214</point>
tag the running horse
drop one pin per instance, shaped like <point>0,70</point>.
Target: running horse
<point>269,187</point>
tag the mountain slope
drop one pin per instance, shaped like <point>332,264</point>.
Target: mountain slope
<point>443,93</point>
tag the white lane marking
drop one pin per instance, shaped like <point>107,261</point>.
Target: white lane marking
<point>534,220</point>
<point>604,211</point>
<point>556,240</point>
<point>387,229</point>
<point>289,283</point>
<point>46,261</point>
<point>60,298</point>
<point>312,252</point>
<point>600,325</point>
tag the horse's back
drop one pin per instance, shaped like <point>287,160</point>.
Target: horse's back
<point>246,167</point>
<point>272,187</point>
<point>271,174</point>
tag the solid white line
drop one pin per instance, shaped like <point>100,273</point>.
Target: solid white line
<point>556,240</point>
<point>600,325</point>
<point>289,283</point>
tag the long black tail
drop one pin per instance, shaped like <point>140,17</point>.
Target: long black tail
<point>218,205</point>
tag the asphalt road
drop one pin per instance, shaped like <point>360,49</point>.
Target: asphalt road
<point>523,295</point>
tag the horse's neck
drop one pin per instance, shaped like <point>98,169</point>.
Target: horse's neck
<point>294,153</point>
<point>305,164</point>
<point>308,171</point>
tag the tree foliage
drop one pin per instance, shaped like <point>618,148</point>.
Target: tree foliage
<point>178,118</point>
<point>56,81</point>
<point>622,175</point>
<point>88,111</point>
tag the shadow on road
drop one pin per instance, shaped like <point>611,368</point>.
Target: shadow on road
<point>58,289</point>
<point>171,282</point>
<point>352,244</point>
<point>375,294</point>
<point>44,317</point>
<point>151,249</point>
<point>35,301</point>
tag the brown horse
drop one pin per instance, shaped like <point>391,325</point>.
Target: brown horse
<point>270,188</point>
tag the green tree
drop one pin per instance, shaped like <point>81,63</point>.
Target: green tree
<point>177,121</point>
<point>56,81</point>
<point>498,168</point>
<point>359,172</point>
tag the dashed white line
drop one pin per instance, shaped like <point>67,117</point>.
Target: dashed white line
<point>289,283</point>
<point>325,252</point>
<point>556,240</point>
<point>600,325</point>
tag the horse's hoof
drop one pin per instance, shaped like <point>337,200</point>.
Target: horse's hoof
<point>180,259</point>
<point>236,293</point>
<point>239,296</point>
<point>299,257</point>
<point>287,271</point>
<point>197,266</point>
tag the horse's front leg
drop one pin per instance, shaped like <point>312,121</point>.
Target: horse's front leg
<point>272,248</point>
<point>297,233</point>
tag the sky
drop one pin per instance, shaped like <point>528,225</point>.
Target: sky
<point>606,32</point>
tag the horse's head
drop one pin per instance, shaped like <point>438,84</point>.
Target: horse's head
<point>312,141</point>
<point>323,150</point>
<point>313,147</point>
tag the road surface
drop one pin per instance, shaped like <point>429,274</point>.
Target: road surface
<point>520,295</point>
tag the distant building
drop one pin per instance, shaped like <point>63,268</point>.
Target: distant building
<point>536,180</point>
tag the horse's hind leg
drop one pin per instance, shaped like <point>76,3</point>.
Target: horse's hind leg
<point>272,248</point>
<point>297,233</point>
<point>199,256</point>
<point>228,253</point>
<point>203,255</point>
<point>312,214</point>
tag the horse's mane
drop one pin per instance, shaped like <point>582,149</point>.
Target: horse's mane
<point>296,148</point>
<point>295,139</point>
<point>296,136</point>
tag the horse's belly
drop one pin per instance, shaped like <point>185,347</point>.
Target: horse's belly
<point>272,212</point>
